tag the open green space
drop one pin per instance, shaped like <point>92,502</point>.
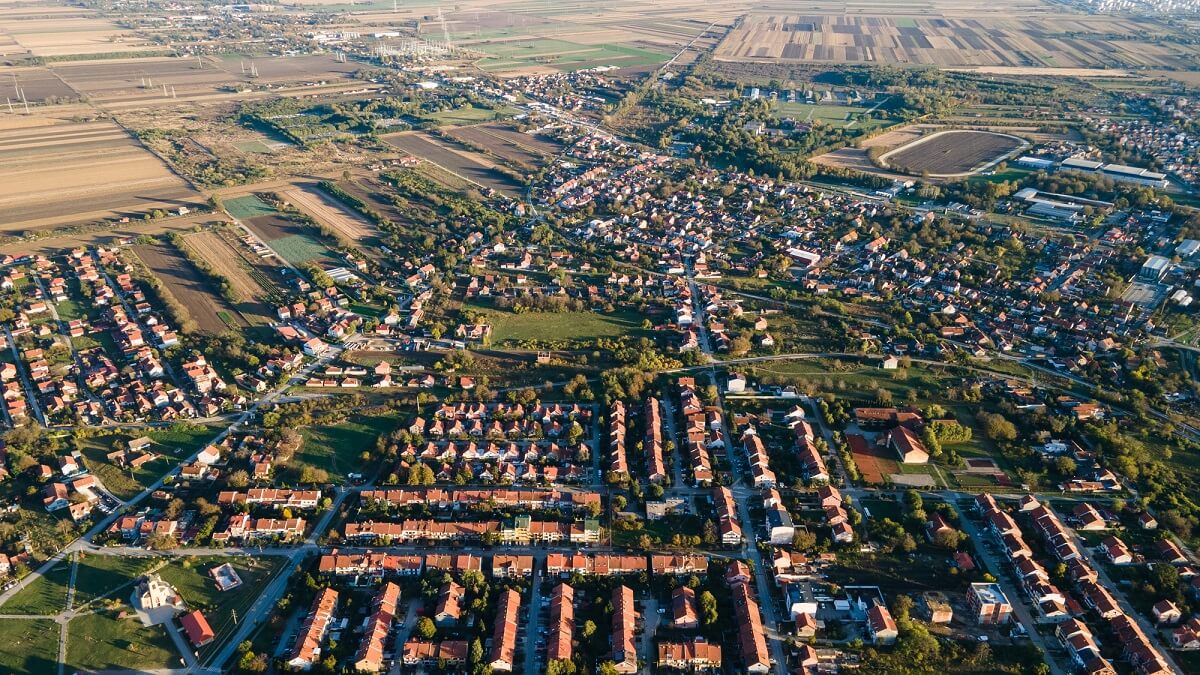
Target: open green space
<point>106,574</point>
<point>510,327</point>
<point>468,115</point>
<point>114,639</point>
<point>190,577</point>
<point>45,595</point>
<point>338,448</point>
<point>255,147</point>
<point>248,206</point>
<point>830,113</point>
<point>29,646</point>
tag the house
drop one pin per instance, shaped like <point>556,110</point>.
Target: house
<point>449,604</point>
<point>736,384</point>
<point>936,607</point>
<point>694,656</point>
<point>560,642</point>
<point>504,634</point>
<point>683,604</point>
<point>880,626</point>
<point>909,449</point>
<point>1166,612</point>
<point>624,626</point>
<point>196,627</point>
<point>370,655</point>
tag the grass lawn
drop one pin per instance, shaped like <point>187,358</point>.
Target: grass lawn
<point>103,641</point>
<point>45,595</point>
<point>190,577</point>
<point>337,448</point>
<point>468,115</point>
<point>29,646</point>
<point>69,310</point>
<point>544,327</point>
<point>300,248</point>
<point>101,574</point>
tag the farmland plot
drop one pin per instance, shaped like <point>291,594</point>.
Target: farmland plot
<point>509,147</point>
<point>333,214</point>
<point>65,173</point>
<point>953,153</point>
<point>248,283</point>
<point>461,162</point>
<point>210,312</point>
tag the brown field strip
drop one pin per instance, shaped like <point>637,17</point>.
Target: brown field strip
<point>185,283</point>
<point>468,165</point>
<point>331,213</point>
<point>226,258</point>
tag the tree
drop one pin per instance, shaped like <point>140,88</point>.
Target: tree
<point>607,668</point>
<point>426,628</point>
<point>560,667</point>
<point>997,427</point>
<point>708,608</point>
<point>1065,466</point>
<point>589,629</point>
<point>804,540</point>
<point>476,652</point>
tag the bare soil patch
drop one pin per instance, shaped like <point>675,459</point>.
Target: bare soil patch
<point>206,308</point>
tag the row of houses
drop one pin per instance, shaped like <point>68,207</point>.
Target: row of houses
<point>518,530</point>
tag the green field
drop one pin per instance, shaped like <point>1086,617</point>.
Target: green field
<point>299,248</point>
<point>190,577</point>
<point>45,595</point>
<point>468,115</point>
<point>114,639</point>
<point>106,574</point>
<point>338,448</point>
<point>562,55</point>
<point>508,327</point>
<point>256,147</point>
<point>833,114</point>
<point>29,646</point>
<point>248,207</point>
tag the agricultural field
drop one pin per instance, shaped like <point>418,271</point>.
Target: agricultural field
<point>333,214</point>
<point>550,54</point>
<point>463,163</point>
<point>61,36</point>
<point>832,114</point>
<point>947,154</point>
<point>517,148</point>
<point>295,242</point>
<point>209,310</point>
<point>60,173</point>
<point>36,85</point>
<point>889,37</point>
<point>249,279</point>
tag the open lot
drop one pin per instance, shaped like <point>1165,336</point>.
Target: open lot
<point>953,153</point>
<point>210,312</point>
<point>63,173</point>
<point>510,328</point>
<point>886,35</point>
<point>190,577</point>
<point>45,595</point>
<point>114,639</point>
<point>37,85</point>
<point>462,162</point>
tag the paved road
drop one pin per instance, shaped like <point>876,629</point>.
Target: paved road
<point>532,637</point>
<point>1000,568</point>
